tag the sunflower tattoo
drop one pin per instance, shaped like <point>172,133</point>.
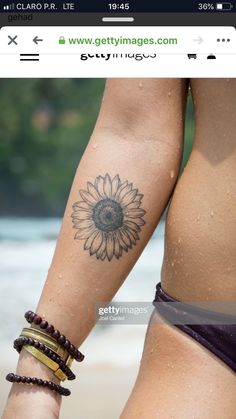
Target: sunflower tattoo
<point>109,217</point>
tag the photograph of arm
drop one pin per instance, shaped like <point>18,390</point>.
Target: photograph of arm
<point>121,188</point>
<point>130,166</point>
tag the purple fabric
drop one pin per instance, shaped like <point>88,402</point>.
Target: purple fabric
<point>219,339</point>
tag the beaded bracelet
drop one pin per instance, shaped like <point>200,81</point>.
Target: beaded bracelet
<point>32,317</point>
<point>23,340</point>
<point>14,378</point>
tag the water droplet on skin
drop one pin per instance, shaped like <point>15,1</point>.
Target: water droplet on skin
<point>94,146</point>
<point>60,276</point>
<point>151,351</point>
<point>179,240</point>
<point>198,218</point>
<point>159,162</point>
<point>228,192</point>
<point>169,94</point>
<point>172,173</point>
<point>212,213</point>
<point>140,85</point>
<point>172,263</point>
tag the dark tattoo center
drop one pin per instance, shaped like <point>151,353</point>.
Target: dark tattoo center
<point>107,215</point>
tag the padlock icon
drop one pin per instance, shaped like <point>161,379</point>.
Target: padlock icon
<point>62,40</point>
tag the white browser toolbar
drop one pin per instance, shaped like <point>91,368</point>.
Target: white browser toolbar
<point>118,51</point>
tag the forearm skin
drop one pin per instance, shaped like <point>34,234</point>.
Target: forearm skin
<point>77,281</point>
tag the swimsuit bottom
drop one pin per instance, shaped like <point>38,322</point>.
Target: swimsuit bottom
<point>216,331</point>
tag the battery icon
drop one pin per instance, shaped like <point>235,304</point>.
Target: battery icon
<point>224,7</point>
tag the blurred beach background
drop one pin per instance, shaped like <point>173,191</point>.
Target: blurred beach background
<point>45,125</point>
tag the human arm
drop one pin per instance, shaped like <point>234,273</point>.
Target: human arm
<point>138,136</point>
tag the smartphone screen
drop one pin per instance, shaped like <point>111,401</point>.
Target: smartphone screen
<point>117,172</point>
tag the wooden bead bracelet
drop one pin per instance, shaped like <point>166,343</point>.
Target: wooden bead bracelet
<point>14,378</point>
<point>23,340</point>
<point>32,317</point>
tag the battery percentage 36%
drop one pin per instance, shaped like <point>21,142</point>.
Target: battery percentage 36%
<point>206,6</point>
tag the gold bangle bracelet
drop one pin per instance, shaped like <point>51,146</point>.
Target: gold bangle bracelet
<point>46,361</point>
<point>50,342</point>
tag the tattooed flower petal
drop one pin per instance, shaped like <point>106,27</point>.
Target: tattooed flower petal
<point>125,190</point>
<point>107,186</point>
<point>79,206</point>
<point>132,205</point>
<point>132,225</point>
<point>99,182</point>
<point>115,185</point>
<point>138,197</point>
<point>116,246</point>
<point>83,215</point>
<point>129,196</point>
<point>90,239</point>
<point>110,246</point>
<point>93,191</point>
<point>126,238</point>
<point>134,213</point>
<point>87,197</point>
<point>84,233</point>
<point>131,236</point>
<point>97,241</point>
<point>103,246</point>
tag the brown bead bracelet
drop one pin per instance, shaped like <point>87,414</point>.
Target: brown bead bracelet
<point>32,317</point>
<point>14,378</point>
<point>23,340</point>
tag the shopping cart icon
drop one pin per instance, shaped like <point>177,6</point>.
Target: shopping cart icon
<point>192,56</point>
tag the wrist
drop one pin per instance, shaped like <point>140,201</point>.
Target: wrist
<point>28,365</point>
<point>27,398</point>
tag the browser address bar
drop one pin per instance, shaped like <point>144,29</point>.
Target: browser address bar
<point>125,39</point>
<point>117,51</point>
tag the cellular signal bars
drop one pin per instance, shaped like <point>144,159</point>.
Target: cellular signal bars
<point>9,7</point>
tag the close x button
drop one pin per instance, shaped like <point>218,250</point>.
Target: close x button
<point>12,40</point>
<point>29,57</point>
